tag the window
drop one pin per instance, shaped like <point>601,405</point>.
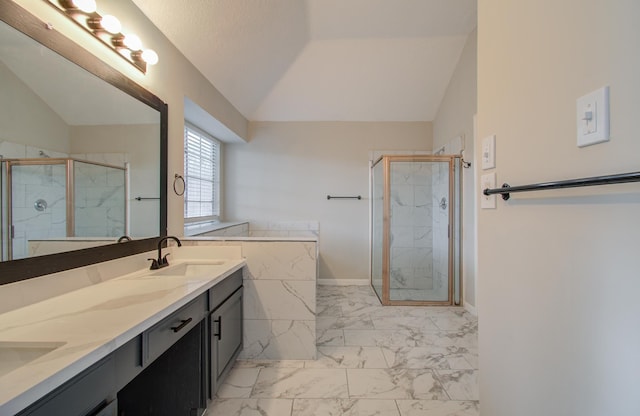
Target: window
<point>202,175</point>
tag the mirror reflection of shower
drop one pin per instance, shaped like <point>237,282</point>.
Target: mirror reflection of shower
<point>58,198</point>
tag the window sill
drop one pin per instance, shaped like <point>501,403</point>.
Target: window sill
<point>192,230</point>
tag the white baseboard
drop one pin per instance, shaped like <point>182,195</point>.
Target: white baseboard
<point>343,282</point>
<point>471,309</point>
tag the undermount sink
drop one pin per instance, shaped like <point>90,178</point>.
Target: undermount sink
<point>14,355</point>
<point>189,269</point>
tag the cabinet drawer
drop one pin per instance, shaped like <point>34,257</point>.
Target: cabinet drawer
<point>224,289</point>
<point>165,333</point>
<point>89,393</point>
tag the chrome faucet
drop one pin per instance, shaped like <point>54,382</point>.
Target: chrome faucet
<point>161,262</point>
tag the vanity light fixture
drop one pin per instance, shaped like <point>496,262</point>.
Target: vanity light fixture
<point>109,23</point>
<point>87,6</point>
<point>150,56</point>
<point>132,42</point>
<point>108,30</point>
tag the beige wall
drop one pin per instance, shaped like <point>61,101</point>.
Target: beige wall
<point>43,128</point>
<point>455,118</point>
<point>171,79</point>
<point>558,270</point>
<point>287,170</point>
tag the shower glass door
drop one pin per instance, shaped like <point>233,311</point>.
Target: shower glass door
<point>377,215</point>
<point>415,238</point>
<point>419,231</point>
<point>38,205</point>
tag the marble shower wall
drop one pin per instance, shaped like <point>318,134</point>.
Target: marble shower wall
<point>411,240</point>
<point>99,201</point>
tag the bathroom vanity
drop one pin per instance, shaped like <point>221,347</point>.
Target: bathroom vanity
<point>147,342</point>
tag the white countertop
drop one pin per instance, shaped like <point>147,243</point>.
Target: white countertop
<point>92,322</point>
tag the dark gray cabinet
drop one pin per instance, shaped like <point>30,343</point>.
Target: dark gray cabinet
<point>91,393</point>
<point>174,384</point>
<point>165,368</point>
<point>225,326</point>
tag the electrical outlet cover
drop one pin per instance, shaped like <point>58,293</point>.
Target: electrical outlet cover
<point>487,180</point>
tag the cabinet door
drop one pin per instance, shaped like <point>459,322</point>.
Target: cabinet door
<point>226,337</point>
<point>174,384</point>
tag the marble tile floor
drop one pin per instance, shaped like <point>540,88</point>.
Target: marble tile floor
<point>372,360</point>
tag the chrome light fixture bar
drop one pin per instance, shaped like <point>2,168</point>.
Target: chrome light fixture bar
<point>107,29</point>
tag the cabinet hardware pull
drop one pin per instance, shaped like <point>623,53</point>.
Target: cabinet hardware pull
<point>184,322</point>
<point>219,322</point>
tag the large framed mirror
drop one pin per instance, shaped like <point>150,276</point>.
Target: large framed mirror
<point>83,154</point>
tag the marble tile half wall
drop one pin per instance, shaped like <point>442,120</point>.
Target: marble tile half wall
<point>279,298</point>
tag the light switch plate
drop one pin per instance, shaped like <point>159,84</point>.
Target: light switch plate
<point>592,116</point>
<point>489,152</point>
<point>487,180</point>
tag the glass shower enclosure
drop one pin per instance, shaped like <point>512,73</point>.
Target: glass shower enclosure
<point>415,232</point>
<point>50,198</point>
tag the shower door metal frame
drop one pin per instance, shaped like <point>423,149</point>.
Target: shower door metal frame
<point>386,229</point>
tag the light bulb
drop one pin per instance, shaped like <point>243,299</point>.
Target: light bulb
<point>132,42</point>
<point>150,56</point>
<point>111,24</point>
<point>87,6</point>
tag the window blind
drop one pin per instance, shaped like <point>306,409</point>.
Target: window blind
<point>201,164</point>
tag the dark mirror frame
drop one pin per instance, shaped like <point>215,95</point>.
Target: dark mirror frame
<point>22,269</point>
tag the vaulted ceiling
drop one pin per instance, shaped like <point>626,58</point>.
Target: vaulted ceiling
<point>320,60</point>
